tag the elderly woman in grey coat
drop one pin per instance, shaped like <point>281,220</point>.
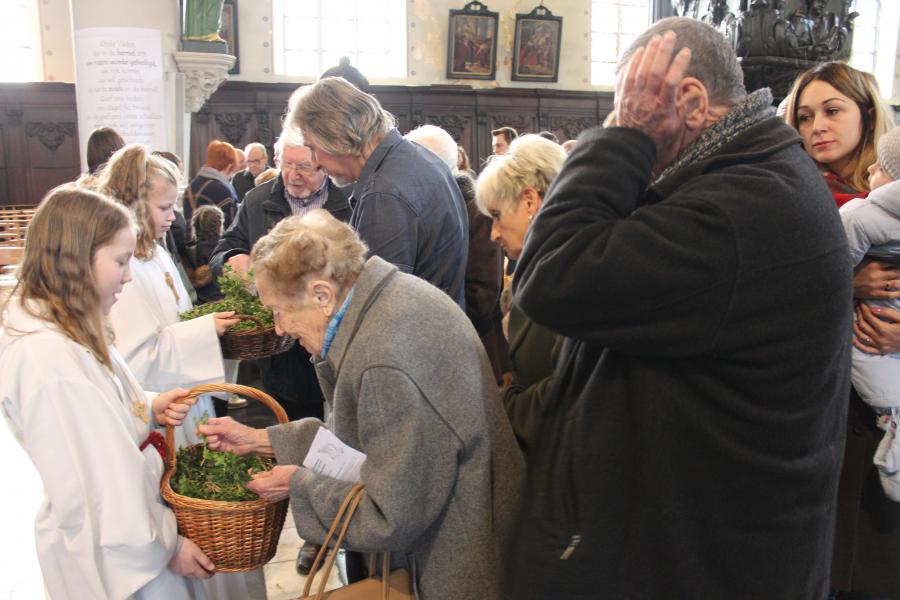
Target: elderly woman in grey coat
<point>408,384</point>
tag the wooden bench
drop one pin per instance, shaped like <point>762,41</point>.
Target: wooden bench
<point>14,222</point>
<point>11,255</point>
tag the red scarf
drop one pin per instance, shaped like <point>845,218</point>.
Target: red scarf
<point>842,191</point>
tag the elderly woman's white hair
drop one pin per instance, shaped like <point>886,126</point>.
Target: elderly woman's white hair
<point>532,161</point>
<point>438,141</point>
<point>313,245</point>
<point>289,137</point>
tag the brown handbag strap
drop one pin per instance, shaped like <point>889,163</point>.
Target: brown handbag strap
<point>385,575</point>
<point>385,571</point>
<point>320,555</point>
<point>348,516</point>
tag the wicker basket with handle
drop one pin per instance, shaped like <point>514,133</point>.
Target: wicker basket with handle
<point>236,536</point>
<point>253,343</point>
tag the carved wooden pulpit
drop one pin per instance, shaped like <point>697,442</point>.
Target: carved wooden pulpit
<point>776,40</point>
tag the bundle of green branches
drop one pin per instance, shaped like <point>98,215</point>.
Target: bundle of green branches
<point>210,475</point>
<point>238,296</point>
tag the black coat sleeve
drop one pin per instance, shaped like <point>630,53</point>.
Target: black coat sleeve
<point>484,272</point>
<point>598,267</point>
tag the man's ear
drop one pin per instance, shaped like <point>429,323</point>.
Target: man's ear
<point>692,100</point>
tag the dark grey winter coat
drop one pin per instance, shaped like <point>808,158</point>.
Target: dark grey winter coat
<point>698,420</point>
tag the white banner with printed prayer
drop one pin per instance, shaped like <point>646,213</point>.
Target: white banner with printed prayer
<point>119,83</point>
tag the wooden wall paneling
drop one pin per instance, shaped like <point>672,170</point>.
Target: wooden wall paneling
<point>52,151</point>
<point>16,188</point>
<point>231,126</point>
<point>398,101</point>
<point>452,110</point>
<point>516,108</point>
<point>39,138</point>
<point>51,143</point>
<point>242,112</point>
<point>200,138</point>
<point>4,174</point>
<point>566,115</point>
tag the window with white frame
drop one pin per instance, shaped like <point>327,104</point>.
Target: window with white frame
<point>311,36</point>
<point>614,25</point>
<point>875,47</point>
<point>20,41</point>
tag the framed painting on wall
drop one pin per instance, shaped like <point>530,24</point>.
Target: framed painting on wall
<point>228,31</point>
<point>536,46</point>
<point>472,43</point>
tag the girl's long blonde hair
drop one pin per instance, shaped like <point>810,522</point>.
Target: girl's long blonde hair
<point>70,225</point>
<point>128,177</point>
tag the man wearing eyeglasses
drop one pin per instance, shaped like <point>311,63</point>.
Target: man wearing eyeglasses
<point>301,186</point>
<point>257,161</point>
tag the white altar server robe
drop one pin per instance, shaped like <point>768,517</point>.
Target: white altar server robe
<point>162,351</point>
<point>102,530</point>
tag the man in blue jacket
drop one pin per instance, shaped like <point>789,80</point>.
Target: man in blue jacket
<point>406,205</point>
<point>695,260</point>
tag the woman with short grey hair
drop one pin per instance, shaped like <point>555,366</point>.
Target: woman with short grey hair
<point>510,191</point>
<point>408,385</point>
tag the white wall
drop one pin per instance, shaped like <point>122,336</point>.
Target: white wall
<point>427,25</point>
<point>426,31</point>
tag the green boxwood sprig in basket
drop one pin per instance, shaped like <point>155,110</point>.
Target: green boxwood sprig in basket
<point>254,336</point>
<point>238,296</point>
<point>209,475</point>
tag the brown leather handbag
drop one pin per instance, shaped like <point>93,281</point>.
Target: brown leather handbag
<point>389,585</point>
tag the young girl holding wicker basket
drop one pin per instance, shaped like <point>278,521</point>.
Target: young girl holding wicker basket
<point>71,402</point>
<point>161,350</point>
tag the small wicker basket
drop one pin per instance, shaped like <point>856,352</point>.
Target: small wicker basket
<point>236,536</point>
<point>253,343</point>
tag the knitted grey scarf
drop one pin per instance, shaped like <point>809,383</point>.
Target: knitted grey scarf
<point>751,110</point>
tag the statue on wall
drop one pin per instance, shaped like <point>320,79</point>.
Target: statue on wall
<point>755,33</point>
<point>686,8</point>
<point>202,19</point>
<point>774,43</point>
<point>810,33</point>
<point>720,16</point>
<point>821,34</point>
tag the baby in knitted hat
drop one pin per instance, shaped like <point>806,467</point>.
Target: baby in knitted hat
<point>873,229</point>
<point>887,168</point>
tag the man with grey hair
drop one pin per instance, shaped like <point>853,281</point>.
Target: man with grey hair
<point>695,260</point>
<point>300,188</point>
<point>484,264</point>
<point>438,141</point>
<point>406,206</point>
<point>257,161</point>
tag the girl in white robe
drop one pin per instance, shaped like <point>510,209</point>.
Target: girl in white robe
<point>102,530</point>
<point>161,350</point>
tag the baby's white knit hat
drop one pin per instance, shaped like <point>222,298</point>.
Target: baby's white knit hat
<point>889,153</point>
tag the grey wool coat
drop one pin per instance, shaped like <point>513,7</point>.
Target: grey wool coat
<point>409,384</point>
